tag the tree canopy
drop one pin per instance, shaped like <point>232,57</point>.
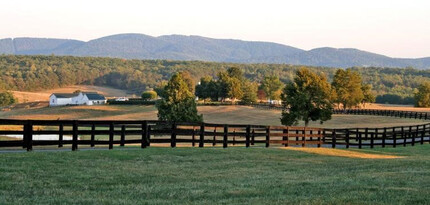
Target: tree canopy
<point>422,96</point>
<point>179,104</point>
<point>33,73</point>
<point>307,98</point>
<point>272,86</point>
<point>7,98</point>
<point>348,87</point>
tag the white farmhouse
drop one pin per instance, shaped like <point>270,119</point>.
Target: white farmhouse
<point>82,98</point>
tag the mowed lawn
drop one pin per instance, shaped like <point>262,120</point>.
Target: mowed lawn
<point>211,114</point>
<point>214,175</point>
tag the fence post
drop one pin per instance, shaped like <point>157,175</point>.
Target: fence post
<point>360,140</point>
<point>60,135</point>
<point>333,139</point>
<point>193,143</point>
<point>93,129</point>
<point>248,135</point>
<point>404,137</point>
<point>148,136</point>
<point>202,135</point>
<point>29,135</point>
<point>253,137</point>
<point>267,136</point>
<point>75,136</point>
<point>304,137</point>
<point>122,136</point>
<point>423,133</point>
<point>372,138</point>
<point>384,137</point>
<point>111,134</point>
<point>24,135</point>
<point>144,134</point>
<point>225,140</point>
<point>319,138</point>
<point>286,131</point>
<point>394,137</point>
<point>173,135</point>
<point>413,134</point>
<point>214,138</point>
<point>347,138</point>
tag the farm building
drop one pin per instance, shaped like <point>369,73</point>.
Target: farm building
<point>82,98</point>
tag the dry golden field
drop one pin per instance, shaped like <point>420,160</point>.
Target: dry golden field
<point>211,114</point>
<point>24,97</point>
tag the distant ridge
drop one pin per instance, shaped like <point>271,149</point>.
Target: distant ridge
<point>180,47</point>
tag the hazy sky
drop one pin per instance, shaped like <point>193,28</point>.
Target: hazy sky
<point>389,27</point>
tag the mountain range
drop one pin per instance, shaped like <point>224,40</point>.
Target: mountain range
<point>180,47</point>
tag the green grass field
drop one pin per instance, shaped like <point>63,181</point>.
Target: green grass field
<point>214,175</point>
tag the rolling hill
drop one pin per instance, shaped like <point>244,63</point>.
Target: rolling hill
<point>179,47</point>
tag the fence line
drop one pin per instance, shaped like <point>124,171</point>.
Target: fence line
<point>145,133</point>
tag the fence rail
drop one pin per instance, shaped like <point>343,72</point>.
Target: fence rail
<point>390,113</point>
<point>145,133</point>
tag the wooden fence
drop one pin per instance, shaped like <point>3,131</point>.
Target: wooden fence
<point>145,133</point>
<point>390,113</point>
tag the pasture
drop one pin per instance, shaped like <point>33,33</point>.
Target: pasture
<point>215,175</point>
<point>24,97</point>
<point>211,114</point>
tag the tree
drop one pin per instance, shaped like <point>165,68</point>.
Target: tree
<point>368,96</point>
<point>307,98</point>
<point>272,87</point>
<point>261,95</point>
<point>347,85</point>
<point>149,95</point>
<point>7,98</point>
<point>160,89</point>
<point>234,89</point>
<point>422,95</point>
<point>207,89</point>
<point>249,93</point>
<point>235,72</point>
<point>189,80</point>
<point>223,84</point>
<point>179,104</point>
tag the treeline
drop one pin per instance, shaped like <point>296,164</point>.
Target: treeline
<point>32,73</point>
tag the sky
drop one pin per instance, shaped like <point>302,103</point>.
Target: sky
<point>389,27</point>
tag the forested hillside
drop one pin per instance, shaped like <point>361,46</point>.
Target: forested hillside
<point>180,47</point>
<point>32,73</point>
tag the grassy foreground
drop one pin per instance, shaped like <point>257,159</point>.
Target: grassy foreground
<point>214,175</point>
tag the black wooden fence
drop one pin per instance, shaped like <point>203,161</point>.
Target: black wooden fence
<point>145,133</point>
<point>390,113</point>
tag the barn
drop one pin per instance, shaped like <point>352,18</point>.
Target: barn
<point>82,98</point>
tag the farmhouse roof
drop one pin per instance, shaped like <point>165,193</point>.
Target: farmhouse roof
<point>94,96</point>
<point>65,95</point>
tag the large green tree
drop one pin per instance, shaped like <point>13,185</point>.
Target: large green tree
<point>207,89</point>
<point>307,98</point>
<point>347,84</point>
<point>422,95</point>
<point>179,104</point>
<point>249,93</point>
<point>368,96</point>
<point>272,86</point>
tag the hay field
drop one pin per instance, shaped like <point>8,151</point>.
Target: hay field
<point>211,114</point>
<point>44,95</point>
